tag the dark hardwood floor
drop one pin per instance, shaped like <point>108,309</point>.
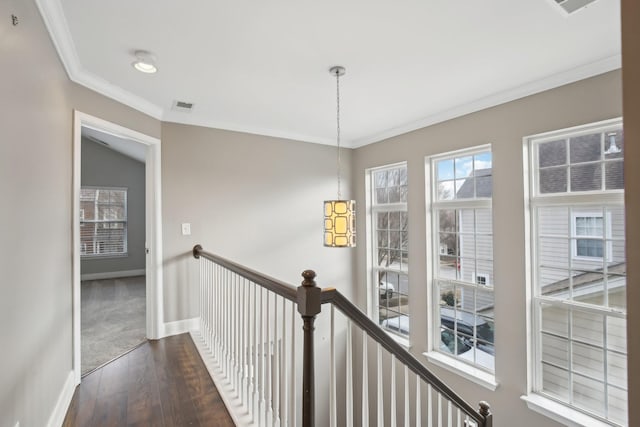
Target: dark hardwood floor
<point>161,383</point>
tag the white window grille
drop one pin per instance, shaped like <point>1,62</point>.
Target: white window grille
<point>579,270</point>
<point>460,212</point>
<point>389,247</point>
<point>103,221</point>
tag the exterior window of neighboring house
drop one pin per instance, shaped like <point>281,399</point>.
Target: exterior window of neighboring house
<point>462,230</point>
<point>103,221</point>
<point>579,269</point>
<point>389,239</point>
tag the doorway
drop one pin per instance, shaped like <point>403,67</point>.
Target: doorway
<point>117,287</point>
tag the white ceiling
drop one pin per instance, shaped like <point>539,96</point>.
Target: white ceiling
<point>130,148</point>
<point>262,66</point>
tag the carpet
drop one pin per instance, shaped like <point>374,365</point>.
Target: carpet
<point>113,319</point>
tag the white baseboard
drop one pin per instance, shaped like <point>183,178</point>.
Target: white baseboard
<point>113,274</point>
<point>64,400</point>
<point>180,327</point>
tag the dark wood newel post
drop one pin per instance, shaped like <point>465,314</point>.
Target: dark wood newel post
<point>485,411</point>
<point>309,307</point>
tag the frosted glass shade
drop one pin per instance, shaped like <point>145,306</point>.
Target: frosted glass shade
<point>340,223</point>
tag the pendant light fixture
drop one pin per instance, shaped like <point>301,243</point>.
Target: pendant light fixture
<point>339,214</point>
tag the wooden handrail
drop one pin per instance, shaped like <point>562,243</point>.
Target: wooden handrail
<point>274,285</point>
<point>332,296</point>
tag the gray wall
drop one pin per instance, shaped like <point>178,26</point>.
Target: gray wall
<point>504,127</point>
<point>253,199</point>
<point>37,106</point>
<point>103,167</point>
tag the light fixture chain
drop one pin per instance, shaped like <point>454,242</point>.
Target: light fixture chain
<point>338,126</point>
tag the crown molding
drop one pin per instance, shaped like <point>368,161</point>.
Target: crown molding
<point>56,23</point>
<point>550,82</point>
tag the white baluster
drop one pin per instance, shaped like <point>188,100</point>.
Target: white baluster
<point>439,409</point>
<point>429,406</point>
<point>276,365</point>
<point>234,331</point>
<point>263,366</point>
<point>365,380</point>
<point>239,337</point>
<point>349,373</point>
<point>285,371</point>
<point>226,317</point>
<point>459,417</point>
<point>380,405</point>
<point>407,415</point>
<point>294,371</point>
<point>418,403</point>
<point>243,341</point>
<point>256,360</point>
<point>333,421</point>
<point>393,410</point>
<point>269,362</point>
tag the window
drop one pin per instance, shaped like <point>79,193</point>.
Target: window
<point>103,221</point>
<point>463,249</point>
<point>579,270</point>
<point>389,247</point>
<point>588,230</point>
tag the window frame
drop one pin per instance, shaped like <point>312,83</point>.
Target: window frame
<point>372,249</point>
<point>124,222</point>
<point>604,199</point>
<point>472,370</point>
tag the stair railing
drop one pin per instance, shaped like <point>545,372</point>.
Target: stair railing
<point>249,327</point>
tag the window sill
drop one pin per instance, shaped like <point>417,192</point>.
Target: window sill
<point>476,375</point>
<point>561,413</point>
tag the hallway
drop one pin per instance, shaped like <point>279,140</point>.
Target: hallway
<point>160,383</point>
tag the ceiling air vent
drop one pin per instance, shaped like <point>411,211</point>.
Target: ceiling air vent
<point>183,106</point>
<point>571,6</point>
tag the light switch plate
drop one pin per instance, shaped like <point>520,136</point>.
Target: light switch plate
<point>186,229</point>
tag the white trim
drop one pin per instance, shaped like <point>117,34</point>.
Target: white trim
<point>605,238</point>
<point>153,225</point>
<point>62,404</point>
<point>239,414</point>
<point>476,375</point>
<point>451,362</point>
<point>180,327</point>
<point>112,274</point>
<point>561,413</point>
<point>373,269</point>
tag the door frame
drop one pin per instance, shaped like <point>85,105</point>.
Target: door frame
<point>153,226</point>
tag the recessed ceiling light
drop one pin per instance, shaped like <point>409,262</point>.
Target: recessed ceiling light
<point>145,62</point>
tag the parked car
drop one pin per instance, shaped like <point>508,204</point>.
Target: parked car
<point>386,290</point>
<point>398,324</point>
<point>465,324</point>
<point>451,343</point>
<point>463,348</point>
